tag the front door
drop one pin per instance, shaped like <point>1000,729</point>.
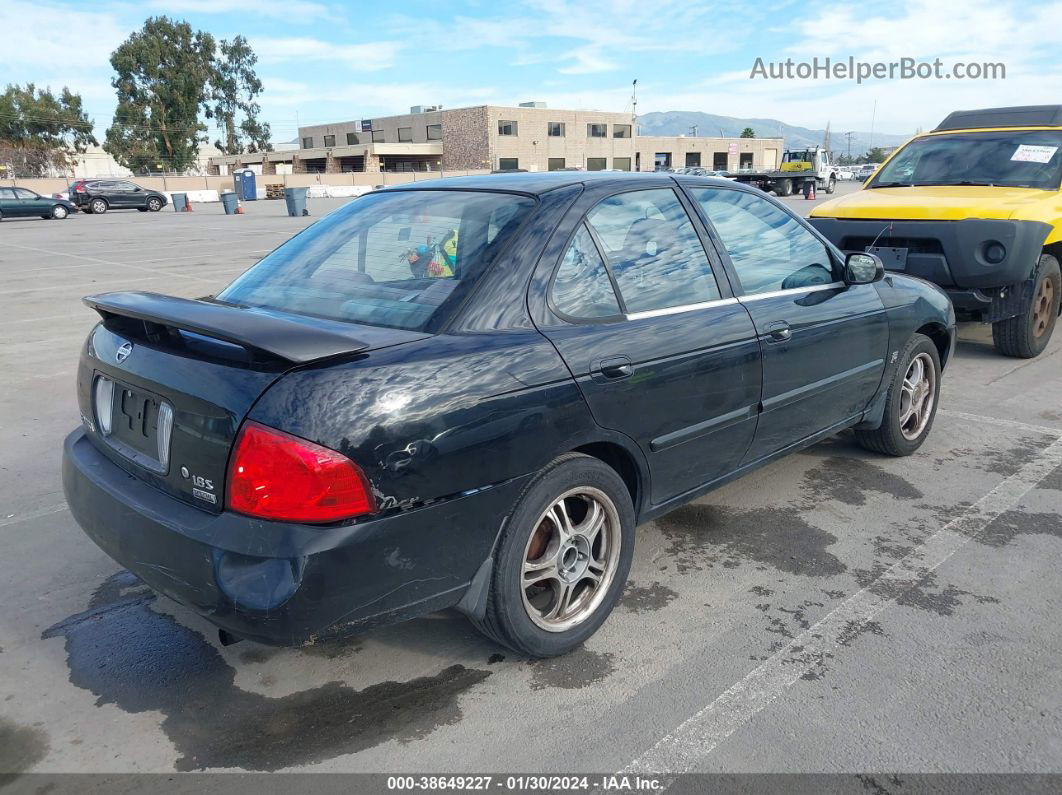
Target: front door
<point>659,347</point>
<point>824,343</point>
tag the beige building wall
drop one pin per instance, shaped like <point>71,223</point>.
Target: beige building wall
<point>765,153</point>
<point>532,147</point>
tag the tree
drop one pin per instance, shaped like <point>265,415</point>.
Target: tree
<point>875,155</point>
<point>235,87</point>
<point>163,73</point>
<point>41,133</point>
<point>748,132</point>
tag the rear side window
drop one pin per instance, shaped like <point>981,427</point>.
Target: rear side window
<point>653,250</point>
<point>582,288</point>
<point>770,249</point>
<point>402,259</point>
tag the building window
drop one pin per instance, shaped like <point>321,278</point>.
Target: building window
<point>508,163</point>
<point>434,132</point>
<point>719,161</point>
<point>506,128</point>
<point>378,136</point>
<point>693,159</point>
<point>352,139</point>
<point>662,160</point>
<point>405,135</point>
<point>745,160</point>
<point>556,129</point>
<point>621,131</point>
<point>556,164</point>
<point>621,163</point>
<point>597,130</point>
<point>307,142</point>
<point>596,164</point>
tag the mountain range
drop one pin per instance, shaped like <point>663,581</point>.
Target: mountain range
<point>680,122</point>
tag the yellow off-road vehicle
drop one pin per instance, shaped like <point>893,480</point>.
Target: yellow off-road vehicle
<point>975,207</point>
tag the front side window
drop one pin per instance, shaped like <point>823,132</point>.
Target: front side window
<point>24,193</point>
<point>597,130</point>
<point>329,141</point>
<point>403,259</point>
<point>582,288</point>
<point>1009,158</point>
<point>653,250</point>
<point>506,128</point>
<point>770,249</point>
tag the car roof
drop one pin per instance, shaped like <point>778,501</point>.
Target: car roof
<point>1018,116</point>
<point>535,183</point>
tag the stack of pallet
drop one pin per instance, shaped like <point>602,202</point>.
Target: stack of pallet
<point>274,191</point>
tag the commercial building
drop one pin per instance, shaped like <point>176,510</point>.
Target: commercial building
<point>530,136</point>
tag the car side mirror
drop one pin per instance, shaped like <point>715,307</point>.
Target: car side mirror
<point>860,268</point>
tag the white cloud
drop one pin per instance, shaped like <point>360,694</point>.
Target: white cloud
<point>50,38</point>
<point>366,56</point>
<point>587,60</point>
<point>291,11</point>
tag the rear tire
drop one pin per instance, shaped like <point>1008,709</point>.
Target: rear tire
<point>785,187</point>
<point>1026,335</point>
<point>909,409</point>
<point>98,206</point>
<point>552,588</point>
<point>831,186</point>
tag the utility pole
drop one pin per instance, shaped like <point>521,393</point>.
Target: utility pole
<point>848,135</point>
<point>693,131</point>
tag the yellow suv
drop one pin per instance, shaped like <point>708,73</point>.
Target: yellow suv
<point>975,207</point>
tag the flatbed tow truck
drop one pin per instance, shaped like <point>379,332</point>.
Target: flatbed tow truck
<point>799,167</point>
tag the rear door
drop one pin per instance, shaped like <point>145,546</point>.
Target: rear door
<point>824,343</point>
<point>9,205</point>
<point>661,350</point>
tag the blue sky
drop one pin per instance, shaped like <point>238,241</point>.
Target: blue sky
<point>326,61</point>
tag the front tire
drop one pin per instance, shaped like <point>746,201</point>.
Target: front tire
<point>1026,335</point>
<point>785,187</point>
<point>98,206</point>
<point>154,205</point>
<point>562,560</point>
<point>59,212</point>
<point>911,404</point>
<point>831,186</point>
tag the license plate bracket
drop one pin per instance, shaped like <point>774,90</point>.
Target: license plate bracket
<point>135,425</point>
<point>893,258</point>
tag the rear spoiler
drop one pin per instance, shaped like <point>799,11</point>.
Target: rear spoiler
<point>297,340</point>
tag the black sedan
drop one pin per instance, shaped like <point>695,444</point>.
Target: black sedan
<point>25,203</point>
<point>97,196</point>
<point>469,393</point>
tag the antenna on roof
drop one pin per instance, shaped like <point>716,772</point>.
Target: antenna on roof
<point>634,102</point>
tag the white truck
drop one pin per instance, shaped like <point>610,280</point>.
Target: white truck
<point>799,166</point>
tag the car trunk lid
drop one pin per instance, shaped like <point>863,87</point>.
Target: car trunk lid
<point>164,383</point>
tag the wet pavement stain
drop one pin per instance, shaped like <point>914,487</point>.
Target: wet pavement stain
<point>139,660</point>
<point>927,595</point>
<point>847,480</point>
<point>701,535</point>
<point>643,599</point>
<point>577,669</point>
<point>495,658</point>
<point>1008,526</point>
<point>857,627</point>
<point>1052,481</point>
<point>21,747</point>
<point>998,461</point>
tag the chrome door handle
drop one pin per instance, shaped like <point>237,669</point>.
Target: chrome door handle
<point>779,332</point>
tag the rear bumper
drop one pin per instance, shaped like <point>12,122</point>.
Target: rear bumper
<point>278,583</point>
<point>948,253</point>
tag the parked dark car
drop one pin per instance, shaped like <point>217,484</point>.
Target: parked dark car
<point>470,393</point>
<point>25,203</point>
<point>97,196</point>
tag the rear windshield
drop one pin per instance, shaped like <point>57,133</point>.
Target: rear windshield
<point>401,259</point>
<point>1012,158</point>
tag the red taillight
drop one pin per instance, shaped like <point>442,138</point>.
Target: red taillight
<point>278,476</point>
<point>79,187</point>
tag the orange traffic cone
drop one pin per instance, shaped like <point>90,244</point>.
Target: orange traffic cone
<point>809,191</point>
<point>239,208</point>
<point>187,205</point>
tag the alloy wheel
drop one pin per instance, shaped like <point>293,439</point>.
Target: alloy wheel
<point>1043,306</point>
<point>917,396</point>
<point>570,559</point>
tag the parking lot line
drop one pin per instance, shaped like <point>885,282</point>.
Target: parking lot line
<point>1001,422</point>
<point>37,514</point>
<point>685,747</point>
<point>103,261</point>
